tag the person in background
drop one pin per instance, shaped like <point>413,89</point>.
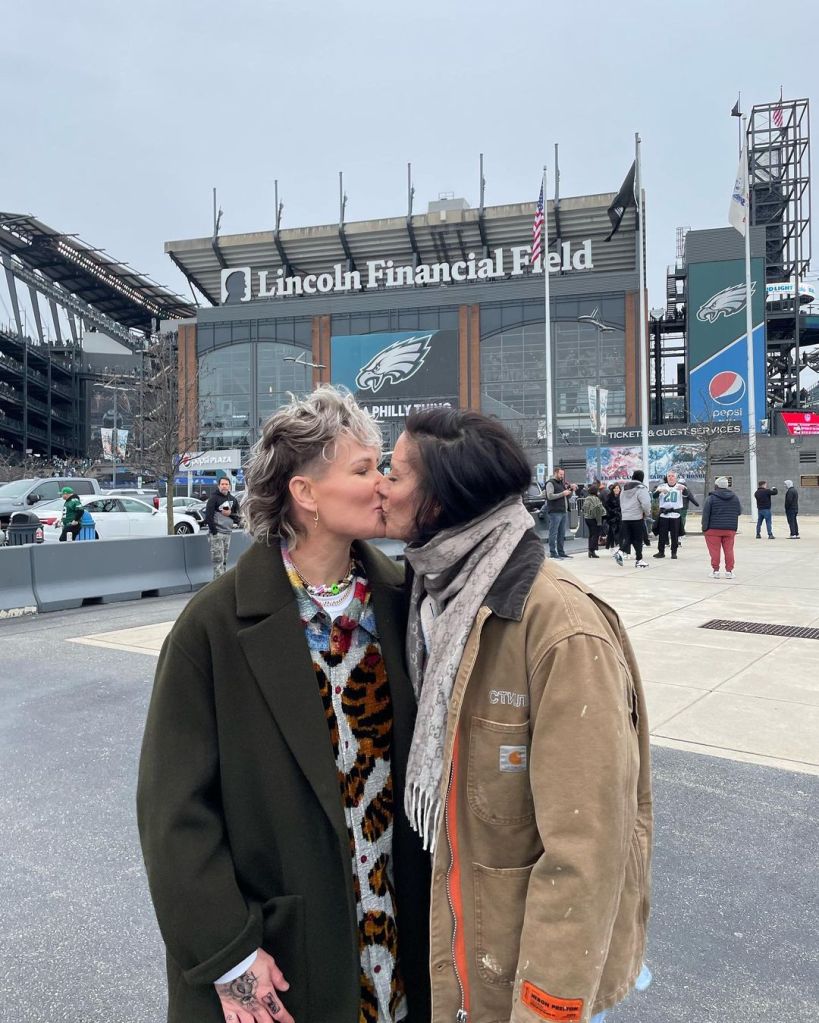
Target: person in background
<point>635,507</point>
<point>720,520</point>
<point>558,492</point>
<point>688,498</point>
<point>612,506</point>
<point>593,513</point>
<point>762,496</point>
<point>221,518</point>
<point>792,509</point>
<point>670,496</point>
<point>72,515</point>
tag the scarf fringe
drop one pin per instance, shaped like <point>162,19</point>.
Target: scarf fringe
<point>424,812</point>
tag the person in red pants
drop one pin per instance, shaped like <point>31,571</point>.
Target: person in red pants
<point>720,519</point>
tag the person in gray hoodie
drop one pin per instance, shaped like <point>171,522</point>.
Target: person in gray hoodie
<point>720,519</point>
<point>635,506</point>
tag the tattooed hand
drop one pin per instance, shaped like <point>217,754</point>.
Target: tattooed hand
<point>254,997</point>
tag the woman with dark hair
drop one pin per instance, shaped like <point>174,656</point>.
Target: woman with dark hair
<point>613,520</point>
<point>528,775</point>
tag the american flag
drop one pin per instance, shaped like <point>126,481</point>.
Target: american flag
<point>777,114</point>
<point>537,230</point>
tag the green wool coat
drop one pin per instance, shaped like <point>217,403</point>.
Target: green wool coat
<point>240,815</point>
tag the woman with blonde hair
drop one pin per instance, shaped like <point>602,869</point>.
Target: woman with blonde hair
<point>275,750</point>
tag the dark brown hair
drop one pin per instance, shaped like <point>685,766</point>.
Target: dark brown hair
<point>466,464</point>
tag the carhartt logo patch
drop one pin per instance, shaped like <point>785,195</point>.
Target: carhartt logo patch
<point>562,1010</point>
<point>513,758</point>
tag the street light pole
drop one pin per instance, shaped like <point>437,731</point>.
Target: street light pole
<point>594,320</point>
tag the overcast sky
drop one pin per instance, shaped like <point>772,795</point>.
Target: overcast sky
<point>118,117</point>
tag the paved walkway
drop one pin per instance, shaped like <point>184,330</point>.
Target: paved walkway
<point>728,694</point>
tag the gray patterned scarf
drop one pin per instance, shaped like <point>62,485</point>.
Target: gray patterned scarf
<point>454,571</point>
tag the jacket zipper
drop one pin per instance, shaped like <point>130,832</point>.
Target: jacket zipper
<point>462,1015</point>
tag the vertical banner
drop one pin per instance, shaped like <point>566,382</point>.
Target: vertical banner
<point>718,378</point>
<point>109,442</point>
<point>604,409</point>
<point>593,408</point>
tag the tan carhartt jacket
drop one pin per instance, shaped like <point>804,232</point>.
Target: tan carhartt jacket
<point>540,890</point>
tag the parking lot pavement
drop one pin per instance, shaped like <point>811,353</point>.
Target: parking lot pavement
<point>732,939</point>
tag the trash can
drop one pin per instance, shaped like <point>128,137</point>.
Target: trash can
<point>24,527</point>
<point>87,527</point>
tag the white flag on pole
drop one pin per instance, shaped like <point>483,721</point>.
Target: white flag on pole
<point>738,210</point>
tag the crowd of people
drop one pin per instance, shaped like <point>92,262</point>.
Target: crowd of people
<point>622,517</point>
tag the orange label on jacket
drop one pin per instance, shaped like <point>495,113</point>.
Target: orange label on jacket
<point>547,1006</point>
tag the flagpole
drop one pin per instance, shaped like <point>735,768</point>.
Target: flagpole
<point>749,317</point>
<point>547,332</point>
<point>641,304</point>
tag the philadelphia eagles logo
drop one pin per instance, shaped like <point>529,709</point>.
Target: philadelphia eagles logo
<point>725,303</point>
<point>391,365</point>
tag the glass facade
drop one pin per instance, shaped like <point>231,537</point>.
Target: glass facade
<point>240,385</point>
<point>244,375</point>
<point>513,376</point>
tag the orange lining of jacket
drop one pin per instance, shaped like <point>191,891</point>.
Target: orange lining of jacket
<point>455,878</point>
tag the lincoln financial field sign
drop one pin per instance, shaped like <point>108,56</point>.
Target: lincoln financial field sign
<point>241,284</point>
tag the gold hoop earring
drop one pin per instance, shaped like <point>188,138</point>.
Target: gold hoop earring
<point>315,518</point>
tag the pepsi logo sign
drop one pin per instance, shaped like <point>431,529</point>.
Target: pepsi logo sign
<point>727,388</point>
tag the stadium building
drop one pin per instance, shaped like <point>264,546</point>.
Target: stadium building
<point>437,308</point>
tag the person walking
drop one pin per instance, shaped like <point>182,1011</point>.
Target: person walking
<point>593,513</point>
<point>762,496</point>
<point>287,883</point>
<point>720,520</point>
<point>792,509</point>
<point>635,507</point>
<point>558,492</point>
<point>613,521</point>
<point>221,517</point>
<point>73,512</point>
<point>528,776</point>
<point>670,496</point>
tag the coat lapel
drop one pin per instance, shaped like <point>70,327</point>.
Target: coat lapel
<point>276,650</point>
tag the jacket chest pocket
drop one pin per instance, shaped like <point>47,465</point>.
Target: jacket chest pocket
<point>497,781</point>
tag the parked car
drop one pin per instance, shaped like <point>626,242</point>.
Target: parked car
<point>190,505</point>
<point>147,494</point>
<point>117,518</point>
<point>534,499</point>
<point>24,495</point>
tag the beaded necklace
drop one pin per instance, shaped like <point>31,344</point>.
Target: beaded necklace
<point>327,589</point>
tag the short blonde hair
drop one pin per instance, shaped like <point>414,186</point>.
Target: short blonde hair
<point>299,438</point>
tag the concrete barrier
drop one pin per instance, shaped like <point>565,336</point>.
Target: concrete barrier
<point>70,575</point>
<point>196,552</point>
<point>240,541</point>
<point>16,586</point>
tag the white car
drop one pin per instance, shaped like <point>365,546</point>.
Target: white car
<point>116,518</point>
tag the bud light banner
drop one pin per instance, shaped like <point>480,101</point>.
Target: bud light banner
<point>719,386</point>
<point>393,374</point>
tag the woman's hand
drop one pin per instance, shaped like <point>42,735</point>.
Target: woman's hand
<point>254,997</point>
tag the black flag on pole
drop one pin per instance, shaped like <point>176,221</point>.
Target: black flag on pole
<point>624,198</point>
<point>735,111</point>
